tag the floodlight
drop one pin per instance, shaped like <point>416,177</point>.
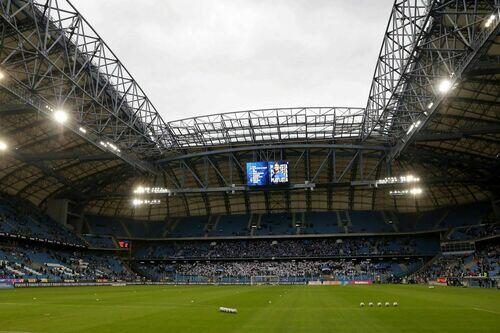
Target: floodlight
<point>83,130</point>
<point>138,202</point>
<point>60,116</point>
<point>3,145</point>
<point>112,146</point>
<point>416,191</point>
<point>2,75</point>
<point>444,86</point>
<point>413,126</point>
<point>489,21</point>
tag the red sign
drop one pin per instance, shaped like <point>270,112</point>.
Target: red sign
<point>124,244</point>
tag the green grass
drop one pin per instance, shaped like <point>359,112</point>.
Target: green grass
<point>292,309</point>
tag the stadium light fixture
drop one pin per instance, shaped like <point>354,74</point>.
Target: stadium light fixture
<point>139,202</point>
<point>408,179</point>
<point>413,126</point>
<point>413,191</point>
<point>110,146</point>
<point>416,191</point>
<point>83,130</point>
<point>148,190</point>
<point>396,193</point>
<point>398,180</point>
<point>3,145</point>
<point>2,75</point>
<point>139,190</point>
<point>60,116</point>
<point>444,86</point>
<point>489,21</point>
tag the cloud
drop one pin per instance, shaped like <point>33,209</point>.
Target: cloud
<point>195,57</point>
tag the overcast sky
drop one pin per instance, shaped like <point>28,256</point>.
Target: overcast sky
<point>196,57</point>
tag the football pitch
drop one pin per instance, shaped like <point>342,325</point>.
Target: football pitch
<point>260,309</point>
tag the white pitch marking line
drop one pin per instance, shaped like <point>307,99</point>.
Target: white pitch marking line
<point>490,311</point>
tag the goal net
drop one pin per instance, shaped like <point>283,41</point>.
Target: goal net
<point>264,279</point>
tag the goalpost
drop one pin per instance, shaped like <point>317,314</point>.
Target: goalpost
<point>264,279</point>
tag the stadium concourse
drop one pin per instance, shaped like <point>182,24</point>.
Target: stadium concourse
<point>97,189</point>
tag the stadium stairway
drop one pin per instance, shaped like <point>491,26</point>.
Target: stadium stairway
<point>295,226</point>
<point>171,224</point>
<point>254,223</point>
<point>14,271</point>
<point>339,222</point>
<point>125,228</point>
<point>211,226</point>
<point>299,223</point>
<point>32,271</point>
<point>428,264</point>
<point>469,263</point>
<point>391,219</point>
<point>408,269</point>
<point>447,234</point>
<point>345,220</point>
<point>441,219</point>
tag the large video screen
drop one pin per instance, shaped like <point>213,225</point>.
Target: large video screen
<point>278,172</point>
<point>257,173</point>
<point>267,173</point>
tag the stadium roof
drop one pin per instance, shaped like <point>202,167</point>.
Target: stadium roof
<point>51,60</point>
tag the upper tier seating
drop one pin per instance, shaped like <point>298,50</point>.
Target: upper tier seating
<point>474,232</point>
<point>100,242</point>
<point>368,221</point>
<point>275,224</point>
<point>231,225</point>
<point>306,223</point>
<point>321,223</point>
<point>107,226</point>
<point>19,217</point>
<point>464,215</point>
<point>190,227</point>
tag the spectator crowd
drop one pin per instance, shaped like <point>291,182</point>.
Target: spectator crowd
<point>288,248</point>
<point>33,262</point>
<point>483,264</point>
<point>340,269</point>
